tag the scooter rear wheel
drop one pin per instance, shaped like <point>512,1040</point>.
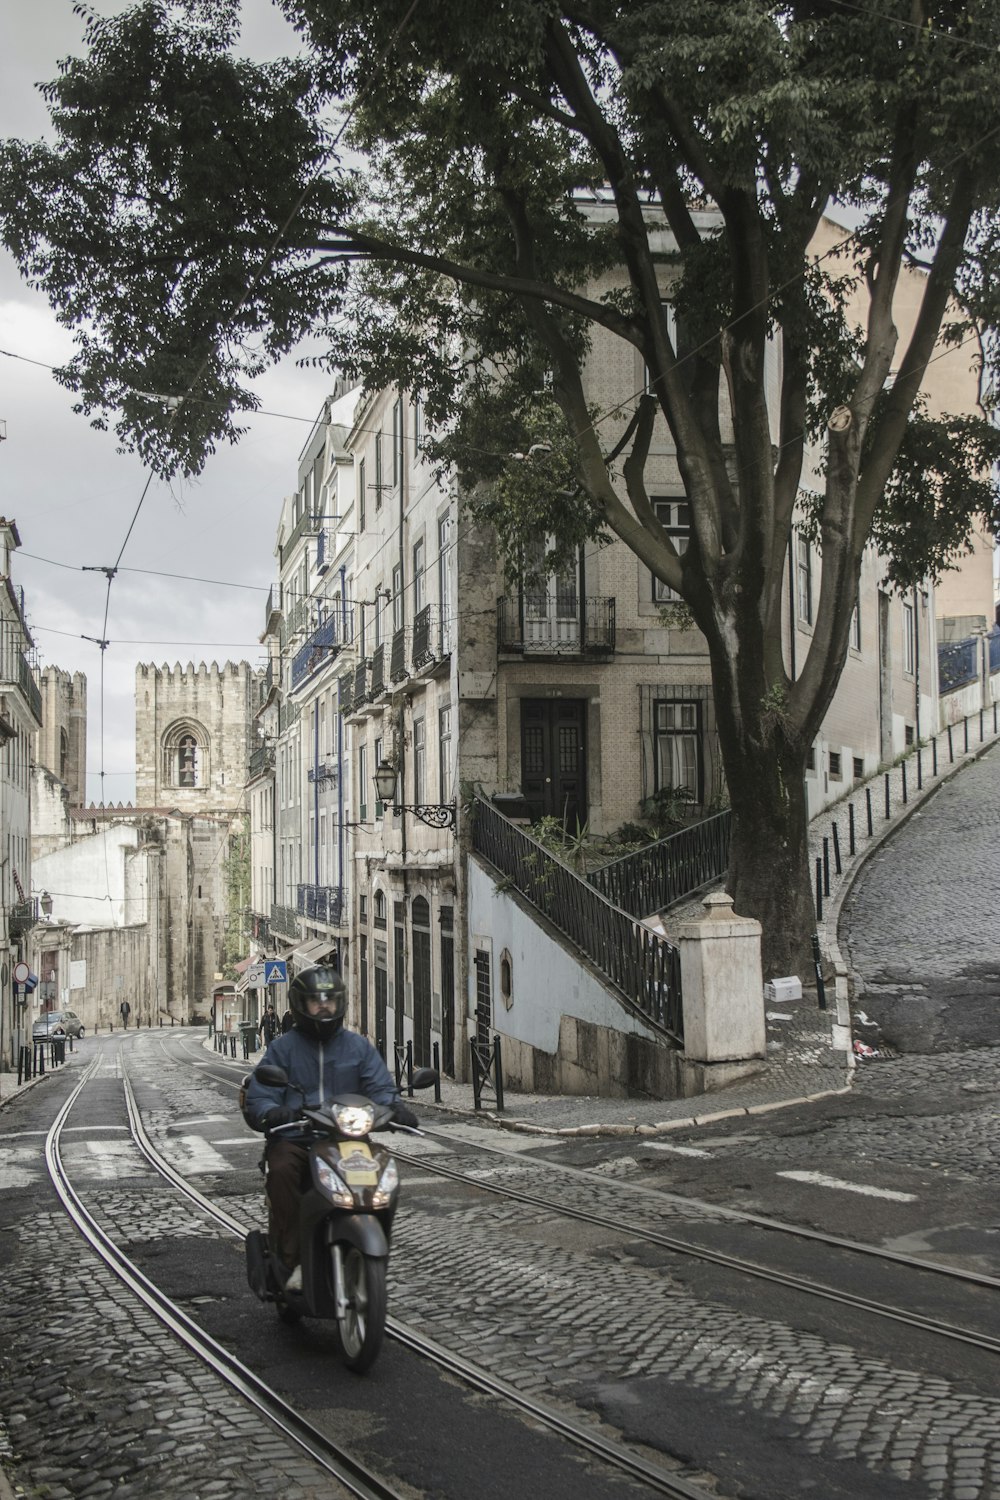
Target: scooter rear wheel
<point>360,1331</point>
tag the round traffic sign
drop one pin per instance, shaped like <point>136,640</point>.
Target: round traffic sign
<point>21,972</point>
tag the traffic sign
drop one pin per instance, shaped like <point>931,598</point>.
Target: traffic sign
<point>275,971</point>
<point>21,972</point>
<point>255,975</point>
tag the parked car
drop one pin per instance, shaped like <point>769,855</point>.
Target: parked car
<point>66,1021</point>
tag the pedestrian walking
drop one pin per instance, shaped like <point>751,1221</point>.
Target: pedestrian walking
<point>287,1022</point>
<point>125,1010</point>
<point>269,1026</point>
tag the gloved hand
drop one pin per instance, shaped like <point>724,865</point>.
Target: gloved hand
<point>402,1114</point>
<point>279,1116</point>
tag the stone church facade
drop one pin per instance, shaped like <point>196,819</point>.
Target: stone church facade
<point>192,727</point>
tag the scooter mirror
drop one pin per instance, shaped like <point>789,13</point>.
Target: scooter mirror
<point>424,1078</point>
<point>274,1076</point>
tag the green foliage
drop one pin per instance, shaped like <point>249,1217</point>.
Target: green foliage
<point>668,809</point>
<point>236,868</point>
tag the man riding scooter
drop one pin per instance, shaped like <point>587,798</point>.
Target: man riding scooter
<point>321,1058</point>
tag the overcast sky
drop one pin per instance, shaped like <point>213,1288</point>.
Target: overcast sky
<point>73,495</point>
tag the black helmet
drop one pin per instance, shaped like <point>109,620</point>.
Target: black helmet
<point>318,983</point>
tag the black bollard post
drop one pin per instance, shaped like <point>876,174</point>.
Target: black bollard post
<point>868,805</point>
<point>951,747</point>
<point>888,812</point>
<point>836,850</point>
<point>818,967</point>
<point>819,889</point>
<point>903,769</point>
<point>826,867</point>
<point>409,1069</point>
<point>436,1059</point>
<point>980,726</point>
<point>965,727</point>
<point>920,768</point>
<point>850,829</point>
<point>934,755</point>
<point>497,1073</point>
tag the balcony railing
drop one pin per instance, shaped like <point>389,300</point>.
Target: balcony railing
<point>378,672</point>
<point>321,648</point>
<point>285,920</point>
<point>397,657</point>
<point>642,966</point>
<point>288,714</point>
<point>15,670</point>
<point>360,690</point>
<point>345,692</point>
<point>272,611</point>
<point>958,665</point>
<point>261,761</point>
<point>548,629</point>
<point>305,525</point>
<point>423,642</point>
<point>322,903</point>
<point>261,928</point>
<point>23,917</point>
<point>325,770</point>
<point>655,877</point>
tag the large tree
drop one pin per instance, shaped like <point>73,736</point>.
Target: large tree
<point>196,216</point>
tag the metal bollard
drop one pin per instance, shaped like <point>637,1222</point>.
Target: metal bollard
<point>903,769</point>
<point>965,726</point>
<point>868,805</point>
<point>920,768</point>
<point>826,867</point>
<point>850,829</point>
<point>836,850</point>
<point>818,968</point>
<point>888,804</point>
<point>436,1058</point>
<point>934,755</point>
<point>819,889</point>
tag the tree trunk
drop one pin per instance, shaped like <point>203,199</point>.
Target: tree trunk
<point>769,875</point>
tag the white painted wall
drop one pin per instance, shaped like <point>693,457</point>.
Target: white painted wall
<point>95,869</point>
<point>547,980</point>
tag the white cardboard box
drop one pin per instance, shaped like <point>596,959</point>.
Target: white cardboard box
<point>789,988</point>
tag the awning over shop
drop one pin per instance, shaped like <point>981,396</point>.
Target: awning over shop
<point>312,951</point>
<point>243,967</point>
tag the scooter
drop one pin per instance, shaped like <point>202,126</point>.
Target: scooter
<point>345,1220</point>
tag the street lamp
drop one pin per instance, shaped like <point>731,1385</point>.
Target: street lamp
<point>45,902</point>
<point>434,814</point>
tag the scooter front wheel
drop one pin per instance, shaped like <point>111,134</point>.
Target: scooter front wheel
<point>361,1325</point>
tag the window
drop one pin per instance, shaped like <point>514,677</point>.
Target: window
<point>811,758</point>
<point>675,518</point>
<point>835,774</point>
<point>909,735</point>
<point>397,443</point>
<point>418,577</point>
<point>363,910</point>
<point>670,319</point>
<point>361,495</point>
<point>444,581</point>
<point>362,782</point>
<point>677,734</point>
<point>378,470</point>
<point>397,597</point>
<point>187,761</point>
<point>856,628</point>
<point>380,911</point>
<point>803,577</point>
<point>444,753</point>
<point>909,639</point>
<point>859,768</point>
<point>419,760</point>
<point>378,619</point>
<point>506,978</point>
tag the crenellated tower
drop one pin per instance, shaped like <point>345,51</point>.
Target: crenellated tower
<point>192,734</point>
<point>61,742</point>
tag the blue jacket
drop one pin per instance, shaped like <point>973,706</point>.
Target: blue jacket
<point>346,1064</point>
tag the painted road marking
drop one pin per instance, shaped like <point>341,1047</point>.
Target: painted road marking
<point>820,1179</point>
<point>202,1120</point>
<point>676,1150</point>
<point>20,1166</point>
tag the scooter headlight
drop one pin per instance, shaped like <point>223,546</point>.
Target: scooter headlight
<point>332,1184</point>
<point>387,1186</point>
<point>353,1119</point>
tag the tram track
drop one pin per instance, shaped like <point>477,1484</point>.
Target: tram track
<point>331,1456</point>
<point>682,1246</point>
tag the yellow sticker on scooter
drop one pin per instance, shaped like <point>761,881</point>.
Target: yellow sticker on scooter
<point>358,1169</point>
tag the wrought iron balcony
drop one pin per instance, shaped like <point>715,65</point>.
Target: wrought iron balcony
<point>360,690</point>
<point>322,903</point>
<point>23,917</point>
<point>261,761</point>
<point>958,664</point>
<point>397,658</point>
<point>261,928</point>
<point>285,920</point>
<point>272,611</point>
<point>288,714</point>
<point>15,670</point>
<point>321,648</point>
<point>345,692</point>
<point>325,770</point>
<point>378,672</point>
<point>423,642</point>
<point>549,628</point>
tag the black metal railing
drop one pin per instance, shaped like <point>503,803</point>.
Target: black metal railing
<point>273,608</point>
<point>285,920</point>
<point>261,928</point>
<point>650,879</point>
<point>643,967</point>
<point>345,692</point>
<point>322,903</point>
<point>378,672</point>
<point>994,640</point>
<point>23,917</point>
<point>261,761</point>
<point>321,647</point>
<point>288,714</point>
<point>359,691</point>
<point>958,665</point>
<point>324,770</point>
<point>397,657</point>
<point>588,630</point>
<point>423,641</point>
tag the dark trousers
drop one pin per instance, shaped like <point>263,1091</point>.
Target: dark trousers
<point>287,1180</point>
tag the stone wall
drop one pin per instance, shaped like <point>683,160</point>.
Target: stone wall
<point>212,705</point>
<point>61,742</point>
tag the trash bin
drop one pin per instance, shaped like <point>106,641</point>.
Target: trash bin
<point>58,1040</point>
<point>248,1036</point>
